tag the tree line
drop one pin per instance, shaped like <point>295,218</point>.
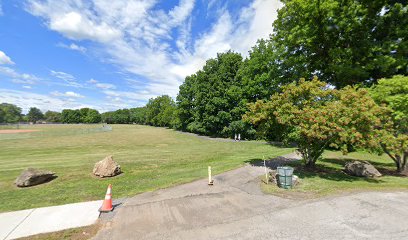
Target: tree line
<point>158,112</point>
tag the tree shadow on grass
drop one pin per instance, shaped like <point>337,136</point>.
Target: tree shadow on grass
<point>342,162</point>
<point>330,173</point>
<point>386,169</point>
<point>271,164</point>
<point>320,170</point>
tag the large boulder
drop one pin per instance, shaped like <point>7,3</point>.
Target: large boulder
<point>106,168</point>
<point>32,176</point>
<point>362,169</point>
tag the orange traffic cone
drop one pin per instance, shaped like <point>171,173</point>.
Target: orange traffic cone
<point>107,203</point>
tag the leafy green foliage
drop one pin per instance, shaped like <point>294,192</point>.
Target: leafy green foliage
<point>160,111</point>
<point>210,101</point>
<point>393,134</point>
<point>393,92</point>
<point>315,117</point>
<point>71,116</point>
<point>9,113</point>
<point>138,115</point>
<point>342,42</point>
<point>51,116</point>
<point>89,115</point>
<point>35,114</point>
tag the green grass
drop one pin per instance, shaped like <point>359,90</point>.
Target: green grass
<point>329,178</point>
<point>151,158</point>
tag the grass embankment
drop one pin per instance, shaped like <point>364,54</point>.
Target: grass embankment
<point>151,158</point>
<point>329,177</point>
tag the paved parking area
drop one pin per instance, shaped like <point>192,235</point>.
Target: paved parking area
<point>235,208</point>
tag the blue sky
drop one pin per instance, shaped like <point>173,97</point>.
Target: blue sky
<point>108,54</point>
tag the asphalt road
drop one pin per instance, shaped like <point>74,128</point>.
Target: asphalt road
<point>235,208</point>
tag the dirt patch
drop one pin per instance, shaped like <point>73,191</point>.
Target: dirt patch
<point>81,233</point>
<point>7,131</point>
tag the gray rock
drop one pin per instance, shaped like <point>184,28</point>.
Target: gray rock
<point>295,180</point>
<point>273,175</point>
<point>361,169</point>
<point>32,176</point>
<point>107,168</point>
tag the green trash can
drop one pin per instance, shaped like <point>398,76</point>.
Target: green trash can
<point>285,177</point>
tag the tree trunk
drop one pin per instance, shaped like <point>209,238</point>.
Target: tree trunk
<point>402,163</point>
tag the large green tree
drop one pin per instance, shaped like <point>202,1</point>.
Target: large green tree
<point>35,114</point>
<point>9,113</point>
<point>160,111</point>
<point>89,115</point>
<point>393,134</point>
<point>138,115</point>
<point>342,41</point>
<point>316,117</point>
<point>52,116</point>
<point>71,116</point>
<point>210,101</point>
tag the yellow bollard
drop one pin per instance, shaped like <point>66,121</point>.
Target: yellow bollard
<point>210,181</point>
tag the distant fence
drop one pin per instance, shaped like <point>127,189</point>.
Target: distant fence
<point>78,129</point>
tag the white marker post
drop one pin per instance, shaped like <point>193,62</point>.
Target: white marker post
<point>266,172</point>
<point>210,181</point>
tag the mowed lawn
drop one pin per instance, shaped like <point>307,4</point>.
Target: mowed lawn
<point>151,158</point>
<point>329,177</point>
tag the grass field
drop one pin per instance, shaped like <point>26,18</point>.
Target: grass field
<point>151,158</point>
<point>329,178</point>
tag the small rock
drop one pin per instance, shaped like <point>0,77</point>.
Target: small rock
<point>361,169</point>
<point>32,176</point>
<point>295,180</point>
<point>107,168</point>
<point>273,177</point>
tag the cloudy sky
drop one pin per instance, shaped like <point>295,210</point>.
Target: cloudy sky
<point>109,54</point>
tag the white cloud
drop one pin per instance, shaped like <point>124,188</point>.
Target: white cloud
<point>69,79</point>
<point>140,96</point>
<point>27,87</point>
<point>140,38</point>
<point>25,100</point>
<point>72,46</point>
<point>93,81</point>
<point>1,9</point>
<point>18,77</point>
<point>68,94</point>
<point>105,86</point>
<point>102,85</point>
<point>4,59</point>
<point>62,75</point>
<point>23,81</point>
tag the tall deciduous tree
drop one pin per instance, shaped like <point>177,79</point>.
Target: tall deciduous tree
<point>89,115</point>
<point>343,42</point>
<point>71,116</point>
<point>316,117</point>
<point>160,111</point>
<point>210,100</point>
<point>9,113</point>
<point>52,116</point>
<point>35,114</point>
<point>393,136</point>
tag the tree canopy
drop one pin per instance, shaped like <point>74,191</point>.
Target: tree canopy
<point>35,114</point>
<point>9,113</point>
<point>315,117</point>
<point>342,42</point>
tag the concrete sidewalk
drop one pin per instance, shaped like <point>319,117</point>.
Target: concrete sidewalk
<point>48,219</point>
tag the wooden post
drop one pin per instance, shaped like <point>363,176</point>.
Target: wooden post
<point>210,181</point>
<point>266,172</point>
